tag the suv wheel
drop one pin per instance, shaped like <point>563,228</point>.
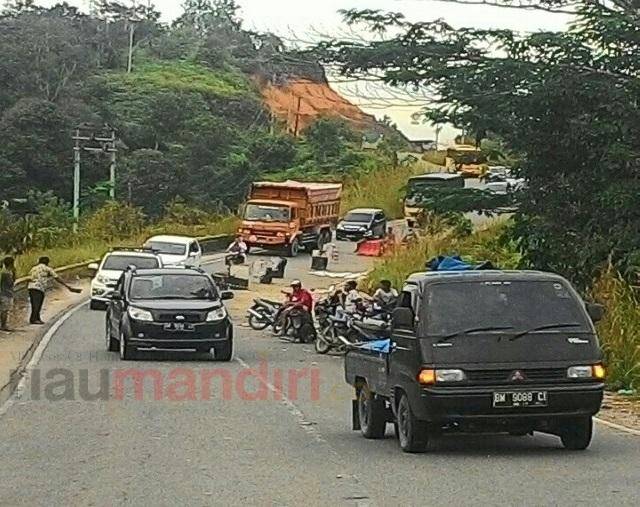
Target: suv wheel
<point>577,433</point>
<point>371,412</point>
<point>127,352</point>
<point>110,342</point>
<point>224,352</point>
<point>412,433</point>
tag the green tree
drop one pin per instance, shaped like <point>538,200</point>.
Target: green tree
<point>148,180</point>
<point>326,137</point>
<point>35,136</point>
<point>562,100</point>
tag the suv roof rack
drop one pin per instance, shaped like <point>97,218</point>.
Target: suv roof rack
<point>133,249</point>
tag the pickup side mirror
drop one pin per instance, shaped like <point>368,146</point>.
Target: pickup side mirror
<point>226,295</point>
<point>596,312</point>
<point>403,318</point>
<point>93,266</point>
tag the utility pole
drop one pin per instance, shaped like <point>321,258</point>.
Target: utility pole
<point>76,180</point>
<point>112,166</point>
<point>88,138</point>
<point>133,19</point>
<point>130,60</point>
<point>297,124</point>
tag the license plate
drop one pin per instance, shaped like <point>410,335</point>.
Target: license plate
<point>178,327</point>
<point>517,399</point>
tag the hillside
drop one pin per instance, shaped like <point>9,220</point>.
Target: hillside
<point>303,100</point>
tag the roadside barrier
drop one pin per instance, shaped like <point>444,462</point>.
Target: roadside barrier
<point>373,248</point>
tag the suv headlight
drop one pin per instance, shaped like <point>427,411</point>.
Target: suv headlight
<point>139,314</point>
<point>216,315</point>
<point>595,371</point>
<point>450,376</point>
<point>102,279</point>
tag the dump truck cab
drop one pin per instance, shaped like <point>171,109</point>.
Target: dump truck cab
<point>291,215</point>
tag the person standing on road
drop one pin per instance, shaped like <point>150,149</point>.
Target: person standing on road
<point>7,282</point>
<point>40,278</point>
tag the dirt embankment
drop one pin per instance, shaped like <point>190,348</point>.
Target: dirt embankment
<point>300,101</point>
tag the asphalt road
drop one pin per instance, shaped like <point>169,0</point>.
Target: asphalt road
<point>244,444</point>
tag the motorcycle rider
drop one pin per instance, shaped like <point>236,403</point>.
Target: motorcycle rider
<point>300,299</point>
<point>238,250</point>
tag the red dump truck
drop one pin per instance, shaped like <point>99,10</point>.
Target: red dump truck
<point>291,215</point>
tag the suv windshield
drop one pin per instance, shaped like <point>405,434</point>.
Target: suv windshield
<point>167,248</point>
<point>172,287</point>
<point>500,305</point>
<point>360,218</point>
<point>122,262</point>
<point>260,212</point>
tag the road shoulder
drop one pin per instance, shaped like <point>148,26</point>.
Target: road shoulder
<point>18,346</point>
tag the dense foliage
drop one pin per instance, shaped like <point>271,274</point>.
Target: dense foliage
<point>185,101</point>
<point>565,102</point>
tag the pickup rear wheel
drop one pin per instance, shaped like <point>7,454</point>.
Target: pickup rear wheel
<point>371,412</point>
<point>576,433</point>
<point>412,433</point>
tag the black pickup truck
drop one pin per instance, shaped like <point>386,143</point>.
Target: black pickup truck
<point>482,351</point>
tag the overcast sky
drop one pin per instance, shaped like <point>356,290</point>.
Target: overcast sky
<point>301,19</point>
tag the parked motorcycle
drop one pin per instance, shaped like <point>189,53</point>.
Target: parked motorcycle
<point>327,324</point>
<point>299,326</point>
<point>264,313</point>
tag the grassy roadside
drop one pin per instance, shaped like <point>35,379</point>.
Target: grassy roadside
<point>381,188</point>
<point>91,248</point>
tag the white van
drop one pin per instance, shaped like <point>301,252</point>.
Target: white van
<point>176,250</point>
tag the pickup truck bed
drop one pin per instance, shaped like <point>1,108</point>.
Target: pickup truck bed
<point>369,365</point>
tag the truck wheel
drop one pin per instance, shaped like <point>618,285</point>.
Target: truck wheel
<point>371,412</point>
<point>577,433</point>
<point>412,433</point>
<point>293,248</point>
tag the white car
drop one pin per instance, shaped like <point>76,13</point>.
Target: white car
<point>111,267</point>
<point>176,251</point>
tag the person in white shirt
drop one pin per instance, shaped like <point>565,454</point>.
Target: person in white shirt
<point>238,250</point>
<point>386,295</point>
<point>352,297</point>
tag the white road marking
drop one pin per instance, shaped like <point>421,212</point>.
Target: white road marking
<point>35,359</point>
<point>303,422</point>
<point>618,427</point>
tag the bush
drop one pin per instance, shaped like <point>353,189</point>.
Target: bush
<point>114,221</point>
<point>178,212</point>
<point>620,329</point>
<point>382,188</point>
<point>482,245</point>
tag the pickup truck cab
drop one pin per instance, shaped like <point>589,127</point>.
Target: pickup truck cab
<point>482,351</point>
